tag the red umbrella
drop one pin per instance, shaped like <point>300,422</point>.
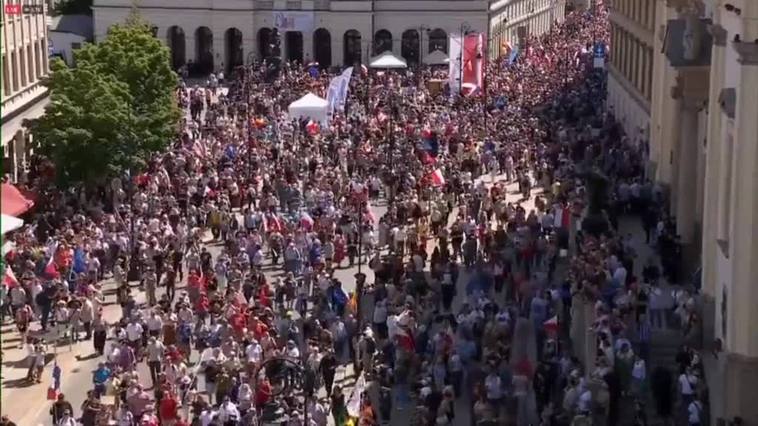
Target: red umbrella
<point>14,203</point>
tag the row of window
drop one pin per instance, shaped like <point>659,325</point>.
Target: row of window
<point>521,8</point>
<point>633,59</point>
<point>23,66</point>
<point>640,11</point>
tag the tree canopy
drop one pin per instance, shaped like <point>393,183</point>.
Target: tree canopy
<point>113,110</point>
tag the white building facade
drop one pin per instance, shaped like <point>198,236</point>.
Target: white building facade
<point>24,50</point>
<point>220,34</point>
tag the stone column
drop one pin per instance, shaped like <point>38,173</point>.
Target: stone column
<point>687,161</point>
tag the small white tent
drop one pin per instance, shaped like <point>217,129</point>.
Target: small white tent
<point>388,61</point>
<point>310,106</point>
<point>437,57</point>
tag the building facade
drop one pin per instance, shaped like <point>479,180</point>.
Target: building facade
<point>221,34</point>
<point>730,209</point>
<point>703,115</point>
<point>24,51</point>
<point>511,20</point>
<point>630,71</point>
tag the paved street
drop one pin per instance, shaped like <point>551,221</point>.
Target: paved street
<point>77,361</point>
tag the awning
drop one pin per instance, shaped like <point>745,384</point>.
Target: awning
<point>10,223</point>
<point>13,202</point>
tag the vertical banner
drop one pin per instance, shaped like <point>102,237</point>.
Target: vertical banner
<point>333,93</point>
<point>454,71</point>
<point>343,88</point>
<point>473,62</point>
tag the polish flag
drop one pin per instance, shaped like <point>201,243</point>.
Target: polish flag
<point>473,60</point>
<point>10,280</point>
<point>551,325</point>
<point>436,178</point>
<point>51,269</point>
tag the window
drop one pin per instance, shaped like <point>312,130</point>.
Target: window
<point>30,61</point>
<point>6,78</point>
<point>14,72</point>
<point>43,56</point>
<point>37,62</point>
<point>22,67</point>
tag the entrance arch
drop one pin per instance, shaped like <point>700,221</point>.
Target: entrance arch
<point>438,40</point>
<point>265,43</point>
<point>293,42</point>
<point>322,47</point>
<point>382,42</point>
<point>233,46</point>
<point>410,47</point>
<point>178,45</point>
<point>204,50</point>
<point>352,47</point>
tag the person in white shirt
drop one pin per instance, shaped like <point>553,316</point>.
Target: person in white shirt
<point>687,386</point>
<point>228,411</point>
<point>693,412</point>
<point>254,352</point>
<point>494,389</point>
<point>66,420</point>
<point>207,416</point>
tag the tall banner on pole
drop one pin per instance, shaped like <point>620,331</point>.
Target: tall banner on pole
<point>343,88</point>
<point>473,62</point>
<point>454,70</point>
<point>333,93</point>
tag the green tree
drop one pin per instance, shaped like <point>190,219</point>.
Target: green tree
<point>133,55</point>
<point>73,7</point>
<point>114,110</point>
<point>82,129</point>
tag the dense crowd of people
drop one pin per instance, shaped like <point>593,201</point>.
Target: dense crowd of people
<point>255,212</point>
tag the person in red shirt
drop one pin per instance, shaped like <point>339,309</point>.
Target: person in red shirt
<point>169,409</point>
<point>263,393</point>
<point>258,327</point>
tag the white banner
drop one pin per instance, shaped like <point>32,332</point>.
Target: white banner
<point>333,93</point>
<point>344,85</point>
<point>354,403</point>
<point>454,72</point>
<point>293,21</point>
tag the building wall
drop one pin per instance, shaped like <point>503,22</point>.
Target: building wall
<point>630,82</point>
<point>507,16</point>
<point>64,44</point>
<point>24,50</point>
<point>396,16</point>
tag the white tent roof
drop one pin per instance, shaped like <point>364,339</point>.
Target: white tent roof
<point>310,107</point>
<point>387,60</point>
<point>437,57</point>
<point>309,101</point>
<point>10,223</point>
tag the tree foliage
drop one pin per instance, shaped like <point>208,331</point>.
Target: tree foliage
<point>113,110</point>
<point>73,7</point>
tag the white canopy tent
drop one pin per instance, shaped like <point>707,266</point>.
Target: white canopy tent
<point>388,61</point>
<point>10,223</point>
<point>311,107</point>
<point>437,57</point>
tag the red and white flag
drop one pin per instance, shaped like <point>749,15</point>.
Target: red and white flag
<point>51,269</point>
<point>473,60</point>
<point>10,280</point>
<point>437,178</point>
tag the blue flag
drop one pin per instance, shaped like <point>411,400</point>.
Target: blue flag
<point>80,263</point>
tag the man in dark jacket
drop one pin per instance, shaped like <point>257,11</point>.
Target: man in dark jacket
<point>59,407</point>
